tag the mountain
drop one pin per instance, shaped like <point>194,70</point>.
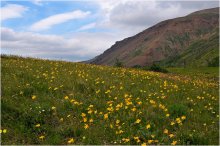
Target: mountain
<point>190,40</point>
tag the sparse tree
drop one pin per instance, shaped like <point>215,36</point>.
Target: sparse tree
<point>118,63</point>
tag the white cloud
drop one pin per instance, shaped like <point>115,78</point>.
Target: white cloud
<point>58,19</point>
<point>12,11</point>
<point>80,46</point>
<point>131,17</point>
<point>87,26</point>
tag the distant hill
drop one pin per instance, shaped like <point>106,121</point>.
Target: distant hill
<point>192,40</point>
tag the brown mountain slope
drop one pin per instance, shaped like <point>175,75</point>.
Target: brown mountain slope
<point>163,40</point>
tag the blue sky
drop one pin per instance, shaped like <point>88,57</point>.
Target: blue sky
<point>46,9</point>
<point>80,30</point>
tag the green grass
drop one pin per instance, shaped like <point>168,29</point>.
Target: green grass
<point>206,72</point>
<point>199,54</point>
<point>139,106</point>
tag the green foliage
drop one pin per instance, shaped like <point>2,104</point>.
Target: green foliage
<point>177,110</point>
<point>157,68</point>
<point>179,39</point>
<point>118,63</point>
<point>193,139</point>
<point>137,66</point>
<point>198,54</point>
<point>214,62</point>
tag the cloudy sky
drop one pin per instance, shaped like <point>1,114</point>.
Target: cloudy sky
<point>80,30</point>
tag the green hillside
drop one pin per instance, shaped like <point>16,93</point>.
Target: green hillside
<point>55,102</point>
<point>192,41</point>
<point>199,53</point>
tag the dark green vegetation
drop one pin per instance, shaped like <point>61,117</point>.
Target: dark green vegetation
<point>154,68</point>
<point>118,63</point>
<point>51,102</point>
<point>199,53</point>
<point>157,68</point>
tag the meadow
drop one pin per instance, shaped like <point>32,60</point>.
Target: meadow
<point>57,102</point>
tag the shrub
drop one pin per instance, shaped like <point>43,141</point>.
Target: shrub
<point>136,66</point>
<point>157,68</point>
<point>118,63</point>
<point>214,62</point>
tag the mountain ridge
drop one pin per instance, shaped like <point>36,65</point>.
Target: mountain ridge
<point>166,39</point>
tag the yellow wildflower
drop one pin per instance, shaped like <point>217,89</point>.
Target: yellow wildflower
<point>133,109</point>
<point>71,140</point>
<point>41,137</point>
<point>97,91</point>
<point>5,131</point>
<point>150,141</point>
<point>171,135</point>
<point>120,131</point>
<point>177,119</point>
<point>53,107</point>
<point>156,141</point>
<point>137,139</point>
<point>34,97</point>
<point>66,97</point>
<point>84,119</point>
<point>90,106</point>
<point>137,121</point>
<point>90,111</point>
<point>125,139</point>
<point>105,116</point>
<point>152,136</point>
<point>172,123</point>
<point>37,125</point>
<point>174,142</point>
<point>117,121</point>
<point>165,131</point>
<point>86,126</point>
<point>139,102</point>
<point>83,114</point>
<point>148,126</point>
<point>183,117</point>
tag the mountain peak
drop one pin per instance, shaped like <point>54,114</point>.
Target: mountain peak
<point>163,41</point>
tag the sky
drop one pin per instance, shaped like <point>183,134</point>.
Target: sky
<point>75,30</point>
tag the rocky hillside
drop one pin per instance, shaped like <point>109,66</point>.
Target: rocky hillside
<point>170,41</point>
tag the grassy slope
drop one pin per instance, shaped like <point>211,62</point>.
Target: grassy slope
<point>126,95</point>
<point>205,72</point>
<point>197,54</point>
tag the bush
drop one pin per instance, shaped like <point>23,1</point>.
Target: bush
<point>136,66</point>
<point>214,62</point>
<point>118,63</point>
<point>157,68</point>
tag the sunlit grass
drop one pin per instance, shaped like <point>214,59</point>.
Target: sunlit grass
<point>49,102</point>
